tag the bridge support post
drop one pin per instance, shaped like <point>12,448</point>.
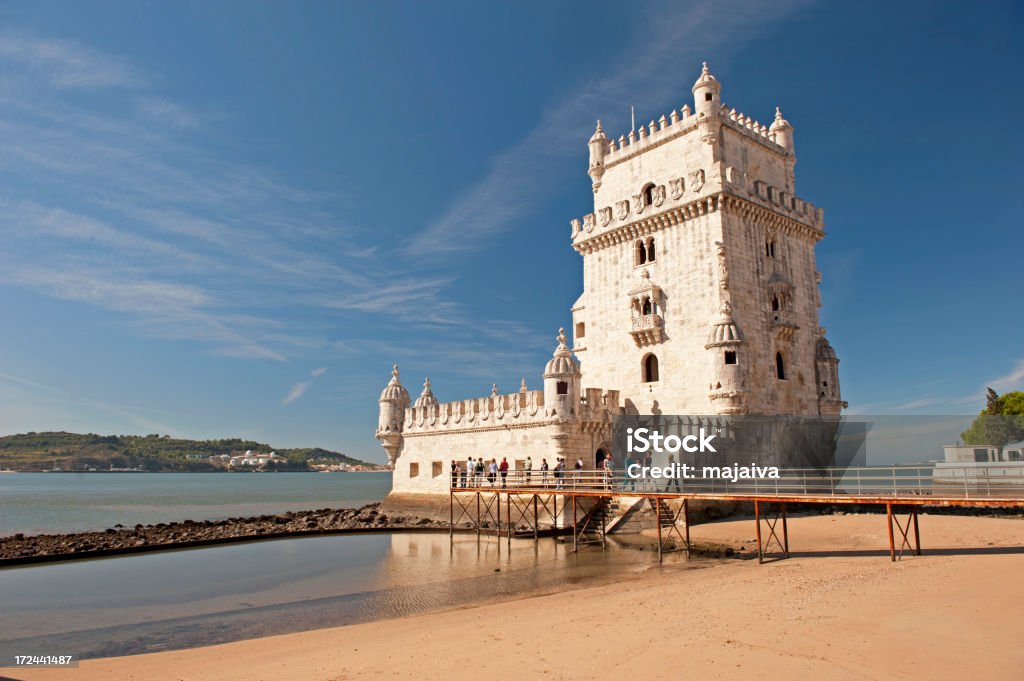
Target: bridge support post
<point>771,521</point>
<point>904,528</point>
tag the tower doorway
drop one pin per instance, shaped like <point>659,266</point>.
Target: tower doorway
<point>599,457</point>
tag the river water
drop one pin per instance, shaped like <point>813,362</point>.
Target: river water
<point>194,597</point>
<point>38,503</point>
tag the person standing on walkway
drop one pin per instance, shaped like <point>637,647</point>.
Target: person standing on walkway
<point>528,470</point>
<point>455,474</point>
<point>503,469</point>
<point>559,472</point>
<point>479,472</point>
<point>648,485</point>
<point>579,470</point>
<point>629,481</point>
<point>470,473</point>
<point>492,472</point>
<point>609,472</point>
<point>544,472</point>
<point>673,480</point>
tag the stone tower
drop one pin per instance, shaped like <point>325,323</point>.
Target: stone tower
<point>700,286</point>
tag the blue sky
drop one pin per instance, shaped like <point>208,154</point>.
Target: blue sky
<point>228,219</point>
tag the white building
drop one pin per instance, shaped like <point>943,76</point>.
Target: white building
<point>700,296</point>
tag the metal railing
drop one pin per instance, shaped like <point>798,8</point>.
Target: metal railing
<point>996,480</point>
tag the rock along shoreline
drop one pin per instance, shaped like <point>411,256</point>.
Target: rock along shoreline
<point>20,549</point>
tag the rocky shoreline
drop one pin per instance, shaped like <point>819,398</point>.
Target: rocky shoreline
<point>20,548</point>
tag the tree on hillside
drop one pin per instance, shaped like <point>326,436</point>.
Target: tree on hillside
<point>1000,423</point>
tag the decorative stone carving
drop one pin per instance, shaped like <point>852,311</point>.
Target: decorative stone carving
<point>604,216</point>
<point>622,209</point>
<point>575,227</point>
<point>723,270</point>
<point>659,195</point>
<point>677,187</point>
<point>638,203</point>
<point>588,222</point>
<point>697,180</point>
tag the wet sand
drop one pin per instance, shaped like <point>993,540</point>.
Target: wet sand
<point>838,609</point>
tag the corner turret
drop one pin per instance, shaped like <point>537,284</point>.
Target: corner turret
<point>728,387</point>
<point>562,382</point>
<point>599,146</point>
<point>394,400</point>
<point>707,94</point>
<point>782,132</point>
<point>826,364</point>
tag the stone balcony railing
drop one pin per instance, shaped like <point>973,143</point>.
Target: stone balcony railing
<point>783,324</point>
<point>647,329</point>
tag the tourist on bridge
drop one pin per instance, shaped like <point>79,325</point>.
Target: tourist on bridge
<point>467,472</point>
<point>528,470</point>
<point>503,469</point>
<point>492,472</point>
<point>672,481</point>
<point>647,485</point>
<point>479,478</point>
<point>579,470</point>
<point>455,474</point>
<point>559,472</point>
<point>629,481</point>
<point>609,471</point>
<point>544,472</point>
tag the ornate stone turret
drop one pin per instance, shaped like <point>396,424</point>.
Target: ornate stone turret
<point>782,131</point>
<point>707,91</point>
<point>826,364</point>
<point>599,146</point>
<point>426,398</point>
<point>394,400</point>
<point>562,382</point>
<point>728,386</point>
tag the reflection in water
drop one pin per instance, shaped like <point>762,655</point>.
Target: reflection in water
<point>181,599</point>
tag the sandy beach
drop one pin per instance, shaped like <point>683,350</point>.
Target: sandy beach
<point>837,609</point>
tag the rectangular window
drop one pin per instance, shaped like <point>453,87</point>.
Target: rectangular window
<point>435,469</point>
<point>414,470</point>
<point>581,330</point>
<point>563,388</point>
<point>981,455</point>
<point>730,356</point>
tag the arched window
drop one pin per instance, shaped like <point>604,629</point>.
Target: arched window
<point>640,257</point>
<point>650,250</point>
<point>776,305</point>
<point>769,248</point>
<point>650,369</point>
<point>562,388</point>
<point>648,307</point>
<point>780,367</point>
<point>648,195</point>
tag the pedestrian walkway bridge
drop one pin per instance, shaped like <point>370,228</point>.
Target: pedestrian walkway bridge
<point>590,502</point>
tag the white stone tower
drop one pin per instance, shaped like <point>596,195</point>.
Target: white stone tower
<point>562,382</point>
<point>700,291</point>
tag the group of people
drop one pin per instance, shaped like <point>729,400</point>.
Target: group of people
<point>479,472</point>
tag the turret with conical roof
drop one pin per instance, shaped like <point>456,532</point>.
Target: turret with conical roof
<point>728,386</point>
<point>782,132</point>
<point>426,398</point>
<point>598,145</point>
<point>394,400</point>
<point>707,93</point>
<point>826,365</point>
<point>562,381</point>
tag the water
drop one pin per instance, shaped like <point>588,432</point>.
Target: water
<point>37,503</point>
<point>186,598</point>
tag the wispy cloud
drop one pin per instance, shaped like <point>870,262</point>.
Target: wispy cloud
<point>163,110</point>
<point>1012,380</point>
<point>68,64</point>
<point>300,388</point>
<point>526,174</point>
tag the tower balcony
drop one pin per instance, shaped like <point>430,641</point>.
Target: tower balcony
<point>647,329</point>
<point>783,325</point>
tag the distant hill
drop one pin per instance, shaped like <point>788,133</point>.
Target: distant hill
<point>74,451</point>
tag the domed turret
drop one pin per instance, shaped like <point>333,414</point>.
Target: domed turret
<point>706,94</point>
<point>826,372</point>
<point>394,400</point>
<point>728,387</point>
<point>782,131</point>
<point>426,398</point>
<point>562,382</point>
<point>598,150</point>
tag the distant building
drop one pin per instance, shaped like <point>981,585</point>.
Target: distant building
<point>959,453</point>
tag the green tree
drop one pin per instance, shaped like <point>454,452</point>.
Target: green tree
<point>1000,423</point>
